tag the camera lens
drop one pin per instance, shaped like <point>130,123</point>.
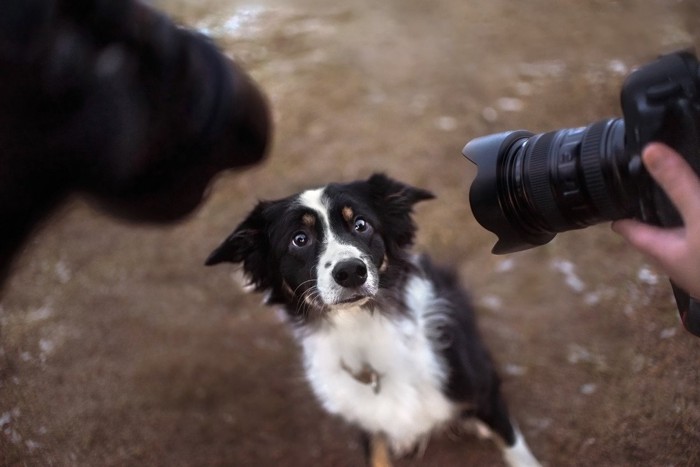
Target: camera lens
<point>530,187</point>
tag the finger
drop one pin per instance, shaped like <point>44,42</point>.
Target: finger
<point>663,245</point>
<point>676,178</point>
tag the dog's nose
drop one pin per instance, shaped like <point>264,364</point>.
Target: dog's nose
<point>350,273</point>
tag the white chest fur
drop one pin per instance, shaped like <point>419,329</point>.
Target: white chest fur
<point>409,403</point>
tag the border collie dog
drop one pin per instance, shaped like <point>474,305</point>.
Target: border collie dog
<point>389,340</point>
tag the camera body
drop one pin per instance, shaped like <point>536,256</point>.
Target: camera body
<point>530,187</point>
<point>661,102</point>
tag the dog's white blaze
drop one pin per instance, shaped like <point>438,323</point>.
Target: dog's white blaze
<point>334,251</point>
<point>410,403</point>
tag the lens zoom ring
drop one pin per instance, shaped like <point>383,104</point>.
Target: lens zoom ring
<point>537,169</point>
<point>591,165</point>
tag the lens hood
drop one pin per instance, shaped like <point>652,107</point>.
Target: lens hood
<point>491,202</point>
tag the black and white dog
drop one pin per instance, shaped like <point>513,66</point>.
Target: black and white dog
<point>389,340</point>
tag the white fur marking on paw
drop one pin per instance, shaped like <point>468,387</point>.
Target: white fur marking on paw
<point>519,455</point>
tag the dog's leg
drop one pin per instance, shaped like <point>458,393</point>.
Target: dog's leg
<point>376,450</point>
<point>515,451</point>
<point>518,454</point>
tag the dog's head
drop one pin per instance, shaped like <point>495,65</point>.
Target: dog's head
<point>329,248</point>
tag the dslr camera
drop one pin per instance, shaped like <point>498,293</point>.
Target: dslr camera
<point>530,187</point>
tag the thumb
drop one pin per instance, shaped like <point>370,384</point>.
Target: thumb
<point>675,176</point>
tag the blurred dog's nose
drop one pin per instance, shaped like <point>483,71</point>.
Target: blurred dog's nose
<point>350,273</point>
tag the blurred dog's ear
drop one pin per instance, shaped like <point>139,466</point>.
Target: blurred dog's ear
<point>398,195</point>
<point>394,201</point>
<point>247,244</point>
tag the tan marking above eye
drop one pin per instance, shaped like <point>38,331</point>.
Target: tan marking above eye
<point>308,220</point>
<point>348,214</point>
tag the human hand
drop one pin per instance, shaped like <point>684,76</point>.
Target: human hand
<point>675,250</point>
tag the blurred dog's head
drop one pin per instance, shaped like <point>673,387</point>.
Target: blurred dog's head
<point>335,247</point>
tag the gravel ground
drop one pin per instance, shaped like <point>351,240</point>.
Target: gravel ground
<point>119,348</point>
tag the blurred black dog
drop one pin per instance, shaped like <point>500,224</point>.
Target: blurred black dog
<point>112,99</point>
<point>390,341</point>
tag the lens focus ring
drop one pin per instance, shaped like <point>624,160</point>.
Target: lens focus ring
<point>591,149</point>
<point>540,184</point>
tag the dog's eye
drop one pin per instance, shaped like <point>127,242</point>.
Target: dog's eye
<point>300,239</point>
<point>361,225</point>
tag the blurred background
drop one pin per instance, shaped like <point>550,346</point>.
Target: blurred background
<point>118,347</point>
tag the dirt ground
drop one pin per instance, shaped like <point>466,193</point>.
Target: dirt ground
<point>118,347</point>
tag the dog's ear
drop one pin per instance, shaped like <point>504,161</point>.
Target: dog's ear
<point>247,244</point>
<point>395,200</point>
<point>398,196</point>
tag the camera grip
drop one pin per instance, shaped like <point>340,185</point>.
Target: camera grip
<point>688,308</point>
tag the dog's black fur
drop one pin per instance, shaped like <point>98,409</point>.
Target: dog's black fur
<point>285,247</point>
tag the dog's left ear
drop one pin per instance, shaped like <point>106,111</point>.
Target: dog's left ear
<point>395,200</point>
<point>248,245</point>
